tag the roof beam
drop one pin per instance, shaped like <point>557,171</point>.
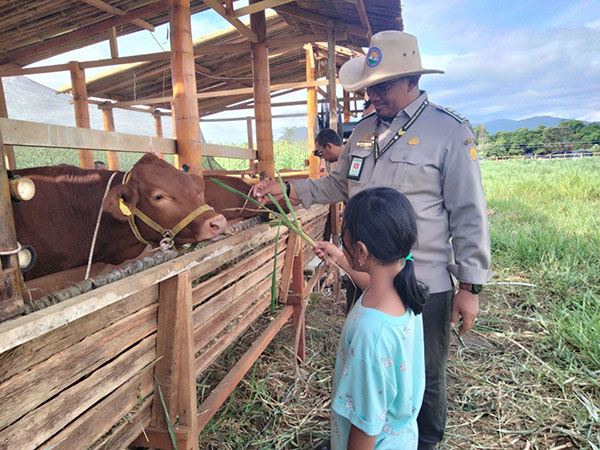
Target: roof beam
<point>103,6</point>
<point>322,20</point>
<point>12,69</point>
<point>44,47</point>
<point>364,17</point>
<point>259,6</point>
<point>220,9</point>
<point>224,93</point>
<point>296,40</point>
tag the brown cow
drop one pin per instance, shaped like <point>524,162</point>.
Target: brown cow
<point>59,221</point>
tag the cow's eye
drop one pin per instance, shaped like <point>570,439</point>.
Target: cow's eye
<point>158,197</point>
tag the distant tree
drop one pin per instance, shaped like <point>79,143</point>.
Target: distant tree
<point>557,138</point>
<point>483,139</point>
<point>289,134</point>
<point>588,135</point>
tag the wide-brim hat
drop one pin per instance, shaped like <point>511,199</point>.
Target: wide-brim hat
<point>392,54</point>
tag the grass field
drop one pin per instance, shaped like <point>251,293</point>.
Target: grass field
<point>527,377</point>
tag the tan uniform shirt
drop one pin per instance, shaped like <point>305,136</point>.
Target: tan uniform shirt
<point>435,165</point>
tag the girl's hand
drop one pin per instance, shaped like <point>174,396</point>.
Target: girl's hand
<point>324,248</point>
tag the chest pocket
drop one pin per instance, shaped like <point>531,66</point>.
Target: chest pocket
<point>407,165</point>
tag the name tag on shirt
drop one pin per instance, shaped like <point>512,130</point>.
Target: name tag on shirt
<point>356,165</point>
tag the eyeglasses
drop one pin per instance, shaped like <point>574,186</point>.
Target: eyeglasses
<point>318,153</point>
<point>381,89</point>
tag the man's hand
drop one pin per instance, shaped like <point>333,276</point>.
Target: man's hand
<point>466,305</point>
<point>263,188</point>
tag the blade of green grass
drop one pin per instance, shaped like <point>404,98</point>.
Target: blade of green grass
<point>274,277</point>
<point>169,425</point>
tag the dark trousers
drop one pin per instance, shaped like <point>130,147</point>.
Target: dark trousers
<point>436,328</point>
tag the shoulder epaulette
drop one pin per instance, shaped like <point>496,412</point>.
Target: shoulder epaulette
<point>452,113</point>
<point>365,117</point>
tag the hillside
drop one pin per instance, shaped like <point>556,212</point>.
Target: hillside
<point>28,100</point>
<point>493,126</point>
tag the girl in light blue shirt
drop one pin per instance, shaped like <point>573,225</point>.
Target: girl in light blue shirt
<point>380,368</point>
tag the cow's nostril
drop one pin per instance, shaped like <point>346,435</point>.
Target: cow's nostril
<point>218,224</point>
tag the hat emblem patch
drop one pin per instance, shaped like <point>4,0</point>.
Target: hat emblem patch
<point>373,57</point>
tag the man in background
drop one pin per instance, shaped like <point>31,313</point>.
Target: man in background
<point>328,145</point>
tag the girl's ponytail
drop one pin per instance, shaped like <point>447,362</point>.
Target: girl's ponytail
<point>385,222</point>
<point>412,292</point>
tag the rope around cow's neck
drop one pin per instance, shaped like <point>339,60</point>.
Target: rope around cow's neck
<point>89,263</point>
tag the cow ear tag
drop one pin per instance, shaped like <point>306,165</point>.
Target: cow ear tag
<point>124,208</point>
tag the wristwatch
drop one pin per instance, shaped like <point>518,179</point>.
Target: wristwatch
<point>472,288</point>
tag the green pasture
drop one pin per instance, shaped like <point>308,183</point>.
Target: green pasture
<point>545,228</point>
<point>288,155</point>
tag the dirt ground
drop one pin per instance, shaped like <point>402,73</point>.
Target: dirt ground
<point>501,393</point>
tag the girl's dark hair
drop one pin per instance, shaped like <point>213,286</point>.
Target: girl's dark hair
<point>383,219</point>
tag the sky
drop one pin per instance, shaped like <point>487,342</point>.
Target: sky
<point>502,60</point>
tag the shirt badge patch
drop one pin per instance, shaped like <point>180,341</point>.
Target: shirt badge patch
<point>413,141</point>
<point>364,144</point>
<point>373,57</point>
<point>473,153</point>
<point>470,141</point>
<point>356,165</point>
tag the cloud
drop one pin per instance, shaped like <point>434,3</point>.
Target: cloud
<point>521,73</point>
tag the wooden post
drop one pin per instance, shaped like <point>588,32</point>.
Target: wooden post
<point>183,75</point>
<point>174,372</point>
<point>331,93</point>
<point>108,119</point>
<point>157,123</point>
<point>9,152</point>
<point>112,42</point>
<point>11,281</point>
<point>262,95</point>
<point>311,112</point>
<point>158,127</point>
<point>299,309</point>
<point>250,140</point>
<point>82,113</point>
<point>176,161</point>
<point>347,113</point>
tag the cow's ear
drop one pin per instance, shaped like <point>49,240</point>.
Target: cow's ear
<point>199,182</point>
<point>120,200</point>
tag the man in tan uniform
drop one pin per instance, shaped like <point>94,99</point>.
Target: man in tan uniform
<point>428,153</point>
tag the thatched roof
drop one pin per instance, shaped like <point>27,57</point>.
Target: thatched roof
<point>34,30</point>
<point>214,72</point>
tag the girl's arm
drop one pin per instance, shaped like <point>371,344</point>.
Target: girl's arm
<point>358,440</point>
<point>361,279</point>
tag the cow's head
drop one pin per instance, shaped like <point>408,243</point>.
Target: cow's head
<point>166,195</point>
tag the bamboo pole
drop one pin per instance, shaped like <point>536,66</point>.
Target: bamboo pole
<point>262,95</point>
<point>108,119</point>
<point>346,108</point>
<point>311,112</point>
<point>82,113</point>
<point>11,281</point>
<point>183,75</point>
<point>9,152</point>
<point>250,140</point>
<point>331,77</point>
<point>158,127</point>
